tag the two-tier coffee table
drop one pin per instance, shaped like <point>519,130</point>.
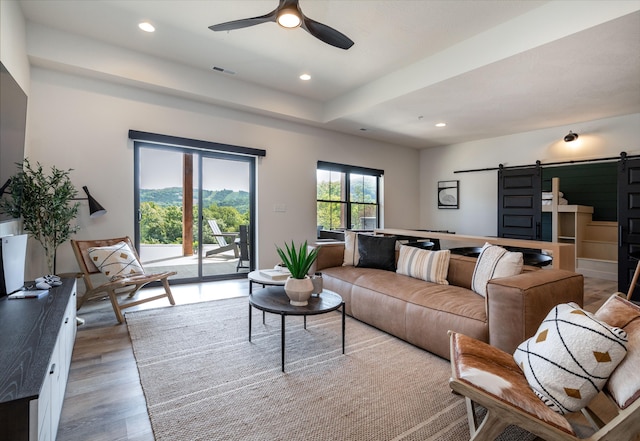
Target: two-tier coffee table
<point>273,299</point>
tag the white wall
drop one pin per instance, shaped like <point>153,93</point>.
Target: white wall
<point>83,124</point>
<point>479,191</point>
<point>13,41</point>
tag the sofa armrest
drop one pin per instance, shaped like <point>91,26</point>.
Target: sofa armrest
<point>517,305</point>
<point>329,255</point>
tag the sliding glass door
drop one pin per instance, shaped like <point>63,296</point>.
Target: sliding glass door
<point>194,211</point>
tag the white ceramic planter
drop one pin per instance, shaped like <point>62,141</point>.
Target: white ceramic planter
<point>298,290</point>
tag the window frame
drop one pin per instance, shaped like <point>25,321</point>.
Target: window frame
<point>349,170</point>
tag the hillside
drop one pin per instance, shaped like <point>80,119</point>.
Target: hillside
<point>172,196</point>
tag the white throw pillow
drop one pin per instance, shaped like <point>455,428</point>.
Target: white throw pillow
<point>570,357</point>
<point>431,266</point>
<point>351,253</point>
<point>115,261</point>
<point>494,262</point>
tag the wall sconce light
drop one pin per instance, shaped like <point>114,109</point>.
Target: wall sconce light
<point>95,209</point>
<point>570,137</point>
<point>4,187</point>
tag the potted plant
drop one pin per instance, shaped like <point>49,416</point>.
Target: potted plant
<point>298,261</point>
<point>44,202</point>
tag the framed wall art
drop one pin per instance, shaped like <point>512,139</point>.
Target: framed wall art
<point>448,194</point>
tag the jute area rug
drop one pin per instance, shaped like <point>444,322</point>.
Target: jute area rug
<point>203,379</point>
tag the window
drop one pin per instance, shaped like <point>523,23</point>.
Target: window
<point>348,197</point>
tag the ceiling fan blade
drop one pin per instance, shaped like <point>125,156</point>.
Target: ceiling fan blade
<point>326,33</point>
<point>245,22</point>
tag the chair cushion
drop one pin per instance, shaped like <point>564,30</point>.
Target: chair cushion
<point>624,383</point>
<point>377,252</point>
<point>494,262</point>
<point>431,266</point>
<point>570,357</point>
<point>115,261</point>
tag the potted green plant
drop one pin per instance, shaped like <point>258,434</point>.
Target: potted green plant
<point>298,261</point>
<point>44,202</point>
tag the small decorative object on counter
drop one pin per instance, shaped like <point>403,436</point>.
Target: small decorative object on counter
<point>316,279</point>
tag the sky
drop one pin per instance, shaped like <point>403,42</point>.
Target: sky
<point>163,169</point>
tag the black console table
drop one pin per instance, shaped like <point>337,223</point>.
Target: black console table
<point>36,342</point>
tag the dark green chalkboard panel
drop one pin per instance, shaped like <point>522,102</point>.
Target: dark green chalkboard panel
<point>594,185</point>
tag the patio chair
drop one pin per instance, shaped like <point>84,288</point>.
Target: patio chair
<point>129,284</point>
<point>489,377</point>
<point>243,244</point>
<point>221,239</point>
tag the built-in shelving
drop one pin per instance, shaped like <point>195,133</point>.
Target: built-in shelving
<point>596,243</point>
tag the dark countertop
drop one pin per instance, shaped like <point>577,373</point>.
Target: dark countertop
<point>28,330</point>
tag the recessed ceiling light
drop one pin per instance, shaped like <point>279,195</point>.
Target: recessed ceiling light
<point>305,77</point>
<point>146,26</point>
<point>441,125</point>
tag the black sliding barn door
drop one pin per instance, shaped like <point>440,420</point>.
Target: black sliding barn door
<point>520,203</point>
<point>628,222</point>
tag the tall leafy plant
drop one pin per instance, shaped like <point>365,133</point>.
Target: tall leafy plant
<point>44,202</point>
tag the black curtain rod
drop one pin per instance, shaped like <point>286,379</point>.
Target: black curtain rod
<point>623,156</point>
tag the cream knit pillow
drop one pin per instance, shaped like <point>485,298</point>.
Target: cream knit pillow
<point>494,262</point>
<point>351,253</point>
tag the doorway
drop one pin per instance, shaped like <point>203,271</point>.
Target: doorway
<point>192,206</point>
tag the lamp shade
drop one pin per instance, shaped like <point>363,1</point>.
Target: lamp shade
<point>95,209</point>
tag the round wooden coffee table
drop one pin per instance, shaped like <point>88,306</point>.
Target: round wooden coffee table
<point>274,300</point>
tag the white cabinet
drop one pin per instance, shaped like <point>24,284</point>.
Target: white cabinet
<point>34,363</point>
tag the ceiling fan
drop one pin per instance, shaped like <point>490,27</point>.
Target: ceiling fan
<point>289,15</point>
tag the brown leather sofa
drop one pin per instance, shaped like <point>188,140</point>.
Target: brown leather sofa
<point>421,312</point>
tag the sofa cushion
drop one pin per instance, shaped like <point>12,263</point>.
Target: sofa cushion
<point>624,383</point>
<point>351,254</point>
<point>570,358</point>
<point>377,252</point>
<point>431,266</point>
<point>494,262</point>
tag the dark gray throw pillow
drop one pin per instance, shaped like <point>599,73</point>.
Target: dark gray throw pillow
<point>377,252</point>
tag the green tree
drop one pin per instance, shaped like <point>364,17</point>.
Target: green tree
<point>44,202</point>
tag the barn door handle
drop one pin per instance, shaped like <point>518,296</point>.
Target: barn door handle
<point>619,235</point>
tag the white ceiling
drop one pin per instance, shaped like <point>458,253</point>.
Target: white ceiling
<point>485,67</point>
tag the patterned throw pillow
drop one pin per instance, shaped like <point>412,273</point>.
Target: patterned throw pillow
<point>570,357</point>
<point>115,261</point>
<point>431,266</point>
<point>624,383</point>
<point>494,262</point>
<point>351,254</point>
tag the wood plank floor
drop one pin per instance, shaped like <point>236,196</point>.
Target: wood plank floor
<point>104,400</point>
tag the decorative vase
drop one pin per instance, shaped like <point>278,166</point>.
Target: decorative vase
<point>298,290</point>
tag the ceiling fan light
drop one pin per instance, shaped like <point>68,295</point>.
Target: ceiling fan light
<point>289,18</point>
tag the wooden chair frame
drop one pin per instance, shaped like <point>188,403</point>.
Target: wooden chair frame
<point>113,289</point>
<point>625,426</point>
